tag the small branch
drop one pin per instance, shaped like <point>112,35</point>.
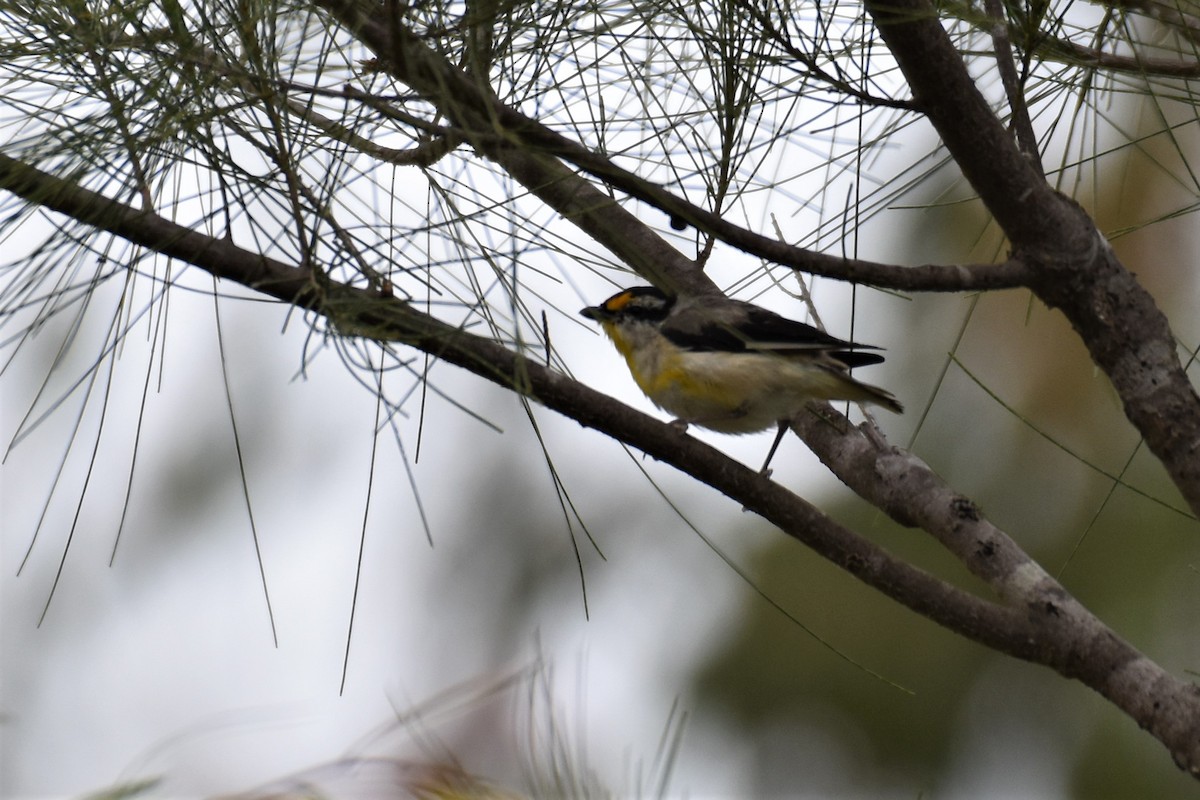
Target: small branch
<point>783,40</point>
<point>1021,124</point>
<point>1069,52</point>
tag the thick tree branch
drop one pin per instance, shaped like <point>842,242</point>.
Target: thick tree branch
<point>1064,635</point>
<point>1072,267</point>
<point>1039,621</point>
<point>359,312</point>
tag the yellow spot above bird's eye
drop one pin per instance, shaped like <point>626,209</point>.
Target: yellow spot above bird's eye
<point>618,302</point>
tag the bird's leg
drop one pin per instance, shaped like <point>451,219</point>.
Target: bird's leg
<point>680,425</point>
<point>783,426</point>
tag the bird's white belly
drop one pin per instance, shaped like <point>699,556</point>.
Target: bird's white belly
<point>736,393</point>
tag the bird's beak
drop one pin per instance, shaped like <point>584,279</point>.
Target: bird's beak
<point>593,312</point>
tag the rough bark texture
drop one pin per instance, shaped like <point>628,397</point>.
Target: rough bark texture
<point>1071,266</point>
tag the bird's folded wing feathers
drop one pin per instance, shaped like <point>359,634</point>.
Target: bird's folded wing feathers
<point>761,330</point>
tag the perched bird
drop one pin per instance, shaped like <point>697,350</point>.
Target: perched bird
<point>728,365</point>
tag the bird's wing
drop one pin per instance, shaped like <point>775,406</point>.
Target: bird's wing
<point>749,327</point>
